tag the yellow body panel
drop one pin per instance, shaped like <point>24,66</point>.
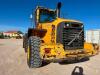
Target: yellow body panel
<point>89,48</point>
<point>57,51</point>
<point>47,38</point>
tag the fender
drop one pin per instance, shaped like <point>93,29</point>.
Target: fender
<point>36,32</point>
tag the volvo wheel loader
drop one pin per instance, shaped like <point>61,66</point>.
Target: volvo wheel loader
<point>54,38</point>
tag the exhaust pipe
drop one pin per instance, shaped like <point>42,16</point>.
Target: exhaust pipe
<point>58,9</point>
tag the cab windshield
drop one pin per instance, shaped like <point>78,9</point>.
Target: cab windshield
<point>47,16</point>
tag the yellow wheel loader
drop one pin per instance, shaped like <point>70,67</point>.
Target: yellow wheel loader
<point>55,39</point>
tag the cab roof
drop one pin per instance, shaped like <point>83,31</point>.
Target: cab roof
<point>41,7</point>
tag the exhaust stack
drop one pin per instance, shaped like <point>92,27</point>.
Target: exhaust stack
<point>58,9</point>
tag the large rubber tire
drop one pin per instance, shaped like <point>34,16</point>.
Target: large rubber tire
<point>33,54</point>
<point>25,42</point>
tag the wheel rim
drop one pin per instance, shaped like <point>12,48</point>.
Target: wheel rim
<point>28,53</point>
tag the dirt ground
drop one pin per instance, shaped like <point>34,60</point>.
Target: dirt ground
<point>13,62</point>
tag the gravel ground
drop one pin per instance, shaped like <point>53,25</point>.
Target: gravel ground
<point>13,62</point>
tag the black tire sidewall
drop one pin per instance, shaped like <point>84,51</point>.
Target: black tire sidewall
<point>34,55</point>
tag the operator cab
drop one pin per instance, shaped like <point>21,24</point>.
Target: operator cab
<point>44,15</point>
<point>47,15</point>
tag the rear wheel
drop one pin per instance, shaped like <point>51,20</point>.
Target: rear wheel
<point>25,42</point>
<point>33,52</point>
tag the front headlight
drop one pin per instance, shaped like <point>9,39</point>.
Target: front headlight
<point>67,25</point>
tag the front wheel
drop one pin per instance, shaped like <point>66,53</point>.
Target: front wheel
<point>33,53</point>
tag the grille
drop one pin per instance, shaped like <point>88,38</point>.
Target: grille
<point>70,37</point>
<point>73,38</point>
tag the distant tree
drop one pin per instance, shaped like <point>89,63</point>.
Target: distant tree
<point>20,32</point>
<point>8,36</point>
<point>1,36</point>
<point>5,36</point>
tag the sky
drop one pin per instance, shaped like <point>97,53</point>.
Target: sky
<point>14,14</point>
